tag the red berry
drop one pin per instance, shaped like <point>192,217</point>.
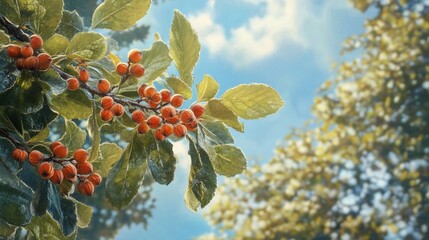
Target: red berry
<point>61,151</point>
<point>84,168</point>
<point>13,51</point>
<point>103,86</point>
<point>167,129</point>
<point>177,100</point>
<point>106,115</point>
<point>70,172</point>
<point>95,178</point>
<point>152,104</point>
<point>31,63</point>
<point>117,109</point>
<point>72,84</point>
<point>141,90</point>
<point>198,110</point>
<point>191,126</point>
<point>57,177</point>
<point>20,63</point>
<point>45,61</point>
<point>180,130</point>
<point>137,70</point>
<point>19,155</point>
<point>54,145</point>
<point>107,102</point>
<point>81,155</point>
<point>149,91</point>
<point>85,188</point>
<point>26,51</point>
<point>35,157</point>
<point>134,56</point>
<point>187,116</point>
<point>122,68</point>
<point>143,128</point>
<point>173,120</point>
<point>165,95</point>
<point>158,135</point>
<point>46,170</point>
<point>168,112</point>
<point>156,98</point>
<point>153,121</point>
<point>83,75</point>
<point>138,116</point>
<point>36,42</point>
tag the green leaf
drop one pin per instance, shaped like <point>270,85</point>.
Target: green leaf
<point>184,47</point>
<point>72,104</point>
<point>229,160</point>
<point>252,101</point>
<point>8,72</point>
<point>112,77</point>
<point>64,212</point>
<point>84,214</point>
<point>6,230</point>
<point>161,160</point>
<point>4,38</point>
<point>41,136</point>
<point>94,133</point>
<point>71,24</point>
<point>215,132</point>
<point>207,88</point>
<point>45,227</point>
<point>127,174</point>
<point>202,177</point>
<point>56,84</point>
<point>19,11</point>
<point>44,196</point>
<point>110,154</point>
<point>119,15</point>
<point>180,87</point>
<point>217,110</point>
<point>74,137</point>
<point>6,159</point>
<point>155,61</point>
<point>46,22</point>
<point>56,44</point>
<point>87,45</point>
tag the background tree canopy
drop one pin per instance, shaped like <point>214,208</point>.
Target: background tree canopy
<point>360,168</point>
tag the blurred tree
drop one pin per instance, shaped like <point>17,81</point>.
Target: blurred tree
<point>360,170</point>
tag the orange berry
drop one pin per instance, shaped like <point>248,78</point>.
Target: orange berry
<point>165,95</point>
<point>117,109</point>
<point>137,70</point>
<point>106,115</point>
<point>192,125</point>
<point>143,128</point>
<point>45,61</point>
<point>95,178</point>
<point>57,177</point>
<point>134,55</point>
<point>19,155</point>
<point>46,170</point>
<point>26,51</point>
<point>156,98</point>
<point>152,104</point>
<point>81,155</point>
<point>122,68</point>
<point>54,145</point>
<point>69,172</point>
<point>168,112</point>
<point>20,63</point>
<point>83,75</point>
<point>103,86</point>
<point>84,168</point>
<point>180,130</point>
<point>31,63</point>
<point>85,188</point>
<point>35,157</point>
<point>177,100</point>
<point>173,120</point>
<point>187,116</point>
<point>36,42</point>
<point>198,110</point>
<point>149,91</point>
<point>61,151</point>
<point>138,116</point>
<point>158,135</point>
<point>107,102</point>
<point>13,51</point>
<point>167,129</point>
<point>141,90</point>
<point>72,84</point>
<point>153,121</point>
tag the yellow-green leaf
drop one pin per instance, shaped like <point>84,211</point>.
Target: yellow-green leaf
<point>74,137</point>
<point>119,15</point>
<point>46,22</point>
<point>87,45</point>
<point>217,110</point>
<point>4,38</point>
<point>155,61</point>
<point>179,87</point>
<point>229,160</point>
<point>207,88</point>
<point>84,214</point>
<point>72,104</point>
<point>56,44</point>
<point>109,155</point>
<point>252,101</point>
<point>184,47</point>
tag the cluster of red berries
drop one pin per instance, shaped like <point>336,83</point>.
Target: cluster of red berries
<point>25,55</point>
<point>169,120</point>
<point>133,67</point>
<point>103,85</point>
<point>58,167</point>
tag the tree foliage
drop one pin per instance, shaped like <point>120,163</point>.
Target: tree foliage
<point>360,169</point>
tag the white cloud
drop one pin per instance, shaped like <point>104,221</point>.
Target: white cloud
<point>283,24</point>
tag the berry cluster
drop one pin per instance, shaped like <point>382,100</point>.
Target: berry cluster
<point>133,67</point>
<point>58,167</point>
<point>26,57</point>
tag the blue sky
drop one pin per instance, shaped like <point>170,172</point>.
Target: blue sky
<point>288,44</point>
